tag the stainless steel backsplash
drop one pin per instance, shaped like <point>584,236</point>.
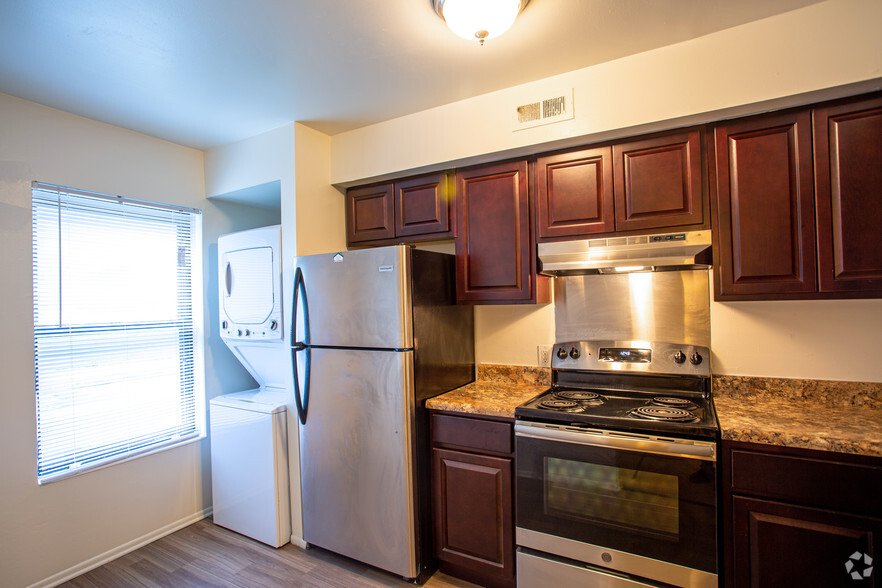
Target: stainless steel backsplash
<point>656,306</point>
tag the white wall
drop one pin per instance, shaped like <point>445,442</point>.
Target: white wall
<point>48,530</point>
<point>825,50</point>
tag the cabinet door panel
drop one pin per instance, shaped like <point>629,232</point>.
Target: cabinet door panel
<point>369,213</point>
<point>575,193</point>
<point>472,503</point>
<point>848,179</point>
<point>782,545</point>
<point>764,202</point>
<point>422,207</point>
<point>493,251</point>
<point>659,182</point>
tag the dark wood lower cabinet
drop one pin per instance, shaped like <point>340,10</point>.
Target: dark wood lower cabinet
<point>472,492</point>
<point>779,544</point>
<point>800,518</point>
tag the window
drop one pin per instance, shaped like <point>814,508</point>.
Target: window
<point>117,328</point>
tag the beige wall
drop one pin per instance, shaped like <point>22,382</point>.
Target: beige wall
<point>824,50</point>
<point>50,532</point>
<point>813,49</point>
<point>311,213</point>
<point>319,205</point>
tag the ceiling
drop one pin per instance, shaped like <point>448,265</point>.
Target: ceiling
<point>204,73</point>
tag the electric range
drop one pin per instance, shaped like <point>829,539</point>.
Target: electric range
<point>616,468</point>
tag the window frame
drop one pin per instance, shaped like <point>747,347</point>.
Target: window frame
<point>189,396</point>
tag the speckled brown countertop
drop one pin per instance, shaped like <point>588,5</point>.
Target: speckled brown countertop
<point>811,414</point>
<point>496,392</point>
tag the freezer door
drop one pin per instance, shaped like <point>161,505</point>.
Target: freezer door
<point>356,456</point>
<point>358,298</point>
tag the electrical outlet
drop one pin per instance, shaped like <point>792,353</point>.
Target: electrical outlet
<point>544,352</point>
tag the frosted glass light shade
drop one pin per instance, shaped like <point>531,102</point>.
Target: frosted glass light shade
<point>478,20</point>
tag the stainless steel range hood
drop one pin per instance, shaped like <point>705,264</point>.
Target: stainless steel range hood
<point>662,252</point>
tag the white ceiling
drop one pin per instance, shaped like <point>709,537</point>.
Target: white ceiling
<point>204,73</point>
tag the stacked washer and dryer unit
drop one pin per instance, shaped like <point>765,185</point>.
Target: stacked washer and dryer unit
<point>248,431</point>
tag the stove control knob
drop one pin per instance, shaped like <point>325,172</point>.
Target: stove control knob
<point>574,353</point>
<point>695,358</point>
<point>679,357</point>
<point>562,353</point>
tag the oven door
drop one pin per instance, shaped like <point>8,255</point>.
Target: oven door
<point>637,504</point>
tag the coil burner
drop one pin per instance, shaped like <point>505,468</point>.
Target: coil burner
<point>562,405</point>
<point>663,413</point>
<point>671,402</point>
<point>584,397</point>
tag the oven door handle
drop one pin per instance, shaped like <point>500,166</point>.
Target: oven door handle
<point>613,440</point>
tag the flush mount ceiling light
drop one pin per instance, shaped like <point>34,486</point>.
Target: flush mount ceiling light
<point>479,19</point>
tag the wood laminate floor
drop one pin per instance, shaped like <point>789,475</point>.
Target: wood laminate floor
<point>204,555</point>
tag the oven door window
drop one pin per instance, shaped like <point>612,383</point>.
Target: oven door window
<point>633,499</point>
<point>657,506</point>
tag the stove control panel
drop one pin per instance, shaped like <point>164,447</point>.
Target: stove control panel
<point>632,356</point>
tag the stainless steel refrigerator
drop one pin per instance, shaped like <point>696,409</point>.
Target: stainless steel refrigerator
<point>376,332</point>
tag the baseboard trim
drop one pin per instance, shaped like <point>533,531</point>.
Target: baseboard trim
<point>299,542</point>
<point>108,556</point>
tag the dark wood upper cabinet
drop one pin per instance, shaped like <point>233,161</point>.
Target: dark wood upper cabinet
<point>848,183</point>
<point>423,207</point>
<point>658,181</point>
<point>764,200</point>
<point>370,213</point>
<point>418,208</point>
<point>495,257</point>
<point>574,194</point>
<point>649,184</point>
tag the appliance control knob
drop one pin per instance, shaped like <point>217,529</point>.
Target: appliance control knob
<point>274,325</point>
<point>679,357</point>
<point>562,353</point>
<point>574,353</point>
<point>695,358</point>
<point>247,332</point>
<point>224,325</point>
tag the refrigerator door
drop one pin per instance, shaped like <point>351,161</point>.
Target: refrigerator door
<point>358,298</point>
<point>355,451</point>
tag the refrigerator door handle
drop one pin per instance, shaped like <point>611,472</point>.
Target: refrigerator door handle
<point>301,400</point>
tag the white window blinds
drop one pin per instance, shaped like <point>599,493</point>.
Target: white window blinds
<point>117,328</point>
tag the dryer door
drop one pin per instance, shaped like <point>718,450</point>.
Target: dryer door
<point>247,286</point>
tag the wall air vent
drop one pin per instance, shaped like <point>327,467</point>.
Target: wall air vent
<point>545,111</point>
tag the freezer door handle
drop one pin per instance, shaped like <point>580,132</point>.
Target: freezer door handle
<point>301,400</point>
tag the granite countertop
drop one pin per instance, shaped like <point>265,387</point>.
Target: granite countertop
<point>845,417</point>
<point>807,414</point>
<point>496,392</point>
